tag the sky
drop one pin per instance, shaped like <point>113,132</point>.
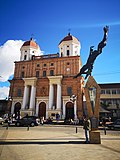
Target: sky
<point>49,21</point>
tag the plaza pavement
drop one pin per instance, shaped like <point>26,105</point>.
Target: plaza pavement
<point>53,142</point>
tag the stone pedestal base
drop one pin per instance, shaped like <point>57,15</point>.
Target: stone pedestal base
<point>94,137</point>
<point>25,112</point>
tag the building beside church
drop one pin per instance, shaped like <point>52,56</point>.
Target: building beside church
<point>42,85</point>
<point>110,98</point>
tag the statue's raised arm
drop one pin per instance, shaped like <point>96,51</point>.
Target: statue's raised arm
<point>87,68</point>
<point>102,44</point>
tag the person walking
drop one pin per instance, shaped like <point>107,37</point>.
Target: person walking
<point>86,127</point>
<point>42,120</point>
<point>104,124</point>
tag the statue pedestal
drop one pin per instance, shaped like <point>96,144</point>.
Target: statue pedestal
<point>94,137</point>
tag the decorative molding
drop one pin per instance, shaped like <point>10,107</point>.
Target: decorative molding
<point>55,79</point>
<point>30,81</point>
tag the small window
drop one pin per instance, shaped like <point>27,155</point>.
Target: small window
<point>38,65</point>
<point>32,51</point>
<point>51,72</point>
<point>67,46</point>
<point>22,75</point>
<point>108,91</point>
<point>118,91</point>
<point>37,73</point>
<point>44,65</point>
<point>114,91</point>
<point>102,91</point>
<point>23,67</point>
<point>68,63</point>
<point>52,64</point>
<point>68,53</point>
<point>25,51</point>
<point>69,91</point>
<point>61,54</point>
<point>19,94</point>
<point>44,73</point>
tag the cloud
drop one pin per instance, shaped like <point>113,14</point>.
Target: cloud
<point>4,92</point>
<point>9,52</point>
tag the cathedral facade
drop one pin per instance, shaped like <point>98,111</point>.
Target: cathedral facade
<point>42,85</point>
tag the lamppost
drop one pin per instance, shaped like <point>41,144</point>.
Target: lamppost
<point>9,104</point>
<point>73,99</point>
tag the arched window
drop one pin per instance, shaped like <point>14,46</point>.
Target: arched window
<point>68,53</point>
<point>25,57</point>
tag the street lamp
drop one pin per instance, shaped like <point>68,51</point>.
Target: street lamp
<point>73,99</point>
<point>9,104</point>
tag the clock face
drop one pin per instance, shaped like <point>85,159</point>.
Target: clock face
<point>68,69</point>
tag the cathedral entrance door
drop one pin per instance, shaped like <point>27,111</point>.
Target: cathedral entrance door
<point>42,110</point>
<point>17,110</point>
<point>69,110</point>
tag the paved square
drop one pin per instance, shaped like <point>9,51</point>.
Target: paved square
<point>50,142</point>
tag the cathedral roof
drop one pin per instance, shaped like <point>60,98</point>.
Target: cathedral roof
<point>31,43</point>
<point>69,37</point>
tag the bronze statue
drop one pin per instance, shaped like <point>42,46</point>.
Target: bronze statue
<point>87,68</point>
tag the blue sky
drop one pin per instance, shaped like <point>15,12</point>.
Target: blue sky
<point>50,20</point>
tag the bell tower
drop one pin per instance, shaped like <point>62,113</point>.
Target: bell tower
<point>28,49</point>
<point>69,46</point>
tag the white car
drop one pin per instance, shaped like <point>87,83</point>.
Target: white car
<point>1,120</point>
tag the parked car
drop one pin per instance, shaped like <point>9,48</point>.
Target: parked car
<point>1,120</point>
<point>114,125</point>
<point>28,121</point>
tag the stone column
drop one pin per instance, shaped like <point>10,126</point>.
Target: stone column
<point>58,96</point>
<point>12,109</point>
<point>25,98</point>
<point>37,109</point>
<point>71,50</point>
<point>47,110</point>
<point>51,90</point>
<point>32,97</point>
<point>64,50</point>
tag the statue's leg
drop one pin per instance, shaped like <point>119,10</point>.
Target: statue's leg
<point>83,69</point>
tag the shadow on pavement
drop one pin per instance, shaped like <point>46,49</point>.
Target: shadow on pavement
<point>40,142</point>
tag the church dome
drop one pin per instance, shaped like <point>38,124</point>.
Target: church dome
<point>31,43</point>
<point>69,37</point>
